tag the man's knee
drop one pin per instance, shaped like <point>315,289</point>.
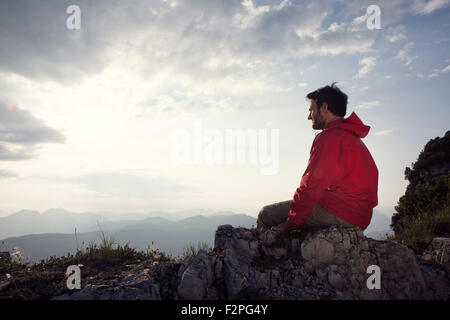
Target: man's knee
<point>321,217</point>
<point>263,212</point>
<point>262,217</point>
<point>274,214</point>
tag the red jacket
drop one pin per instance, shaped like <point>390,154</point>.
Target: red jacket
<point>341,175</point>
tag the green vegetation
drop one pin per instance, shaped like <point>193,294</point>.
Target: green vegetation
<point>423,211</point>
<point>47,279</point>
<point>420,230</point>
<point>190,250</point>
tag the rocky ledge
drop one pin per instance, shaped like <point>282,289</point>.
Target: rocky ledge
<point>332,263</point>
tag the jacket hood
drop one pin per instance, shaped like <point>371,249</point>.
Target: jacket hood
<point>352,124</point>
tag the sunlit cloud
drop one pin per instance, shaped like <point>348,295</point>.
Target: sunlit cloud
<point>383,133</point>
<point>446,69</point>
<point>368,104</point>
<point>7,174</point>
<point>21,133</point>
<point>130,185</point>
<point>434,73</point>
<point>427,7</point>
<point>404,54</point>
<point>396,33</point>
<point>367,65</point>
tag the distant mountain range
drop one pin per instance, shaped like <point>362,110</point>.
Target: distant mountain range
<point>27,222</point>
<point>169,236</point>
<point>52,233</point>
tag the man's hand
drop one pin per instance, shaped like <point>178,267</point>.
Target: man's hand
<point>278,228</point>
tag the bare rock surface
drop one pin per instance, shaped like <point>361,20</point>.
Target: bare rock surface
<point>332,263</point>
<point>439,252</point>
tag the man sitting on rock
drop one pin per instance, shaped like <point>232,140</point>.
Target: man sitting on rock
<point>339,186</point>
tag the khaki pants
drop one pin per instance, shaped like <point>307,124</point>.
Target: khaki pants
<point>277,213</point>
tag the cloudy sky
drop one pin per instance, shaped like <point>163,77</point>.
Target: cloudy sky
<point>91,119</point>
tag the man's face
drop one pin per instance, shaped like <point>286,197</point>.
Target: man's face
<point>318,121</point>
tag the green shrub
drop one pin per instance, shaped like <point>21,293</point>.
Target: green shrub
<point>419,231</point>
<point>422,212</point>
<point>46,279</point>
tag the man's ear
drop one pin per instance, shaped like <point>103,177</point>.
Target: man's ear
<point>324,107</point>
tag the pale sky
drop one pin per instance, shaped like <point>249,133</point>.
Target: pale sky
<point>88,116</point>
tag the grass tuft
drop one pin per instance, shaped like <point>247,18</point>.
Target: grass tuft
<point>419,231</point>
<point>191,250</point>
<point>47,279</point>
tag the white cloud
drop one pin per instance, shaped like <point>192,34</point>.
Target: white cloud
<point>434,73</point>
<point>202,39</point>
<point>129,185</point>
<point>7,174</point>
<point>404,54</point>
<point>360,20</point>
<point>249,17</point>
<point>396,33</point>
<point>369,104</point>
<point>336,27</point>
<point>367,65</point>
<point>21,133</point>
<point>392,11</point>
<point>446,69</point>
<point>383,133</point>
<point>302,84</point>
<point>427,7</point>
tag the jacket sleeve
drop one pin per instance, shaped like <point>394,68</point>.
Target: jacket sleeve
<point>318,176</point>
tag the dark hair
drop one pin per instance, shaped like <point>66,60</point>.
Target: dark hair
<point>331,95</point>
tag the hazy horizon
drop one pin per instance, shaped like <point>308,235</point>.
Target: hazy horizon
<point>385,210</point>
<point>53,221</point>
<point>54,232</point>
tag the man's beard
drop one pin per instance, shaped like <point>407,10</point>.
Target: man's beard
<point>319,122</point>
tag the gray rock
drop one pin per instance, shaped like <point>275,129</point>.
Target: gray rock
<point>198,276</point>
<point>318,251</point>
<point>138,286</point>
<point>268,237</point>
<point>331,263</point>
<point>438,251</point>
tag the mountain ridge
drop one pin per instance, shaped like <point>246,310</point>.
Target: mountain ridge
<point>171,237</point>
<point>139,233</point>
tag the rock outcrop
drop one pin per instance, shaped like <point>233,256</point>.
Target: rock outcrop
<point>332,263</point>
<point>439,252</point>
